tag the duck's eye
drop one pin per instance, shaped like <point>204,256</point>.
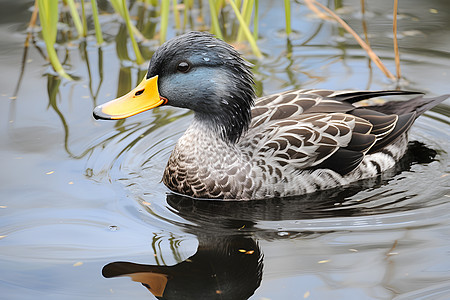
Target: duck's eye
<point>183,67</point>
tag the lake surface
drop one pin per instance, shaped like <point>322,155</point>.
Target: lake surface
<point>84,215</point>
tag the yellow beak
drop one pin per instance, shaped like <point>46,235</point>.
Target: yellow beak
<point>143,97</point>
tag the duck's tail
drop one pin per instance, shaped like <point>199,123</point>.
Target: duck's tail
<point>406,111</point>
<point>419,105</point>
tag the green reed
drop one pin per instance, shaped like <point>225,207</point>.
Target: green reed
<point>84,19</point>
<point>255,20</point>
<point>246,12</point>
<point>287,13</point>
<point>98,29</point>
<point>165,10</point>
<point>223,17</point>
<point>48,16</point>
<point>122,9</point>
<point>245,29</point>
<point>215,27</point>
<point>74,13</point>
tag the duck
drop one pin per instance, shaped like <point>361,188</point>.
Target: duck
<point>291,143</point>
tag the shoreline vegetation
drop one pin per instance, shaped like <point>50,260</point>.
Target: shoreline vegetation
<point>143,21</point>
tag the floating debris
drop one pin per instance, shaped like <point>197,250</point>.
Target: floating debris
<point>113,227</point>
<point>324,261</point>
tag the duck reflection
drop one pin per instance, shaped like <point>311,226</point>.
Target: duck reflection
<point>224,267</point>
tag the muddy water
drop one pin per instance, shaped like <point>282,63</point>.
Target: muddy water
<point>84,214</point>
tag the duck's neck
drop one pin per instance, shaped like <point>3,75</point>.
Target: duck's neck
<point>202,131</point>
<point>201,142</point>
<point>228,125</point>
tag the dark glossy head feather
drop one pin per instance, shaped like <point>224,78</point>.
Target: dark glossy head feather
<point>208,76</point>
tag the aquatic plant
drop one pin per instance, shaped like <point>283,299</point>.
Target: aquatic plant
<point>48,16</point>
<point>229,19</point>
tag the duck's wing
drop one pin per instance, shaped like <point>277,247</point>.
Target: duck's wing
<point>294,103</point>
<point>320,128</point>
<point>311,140</point>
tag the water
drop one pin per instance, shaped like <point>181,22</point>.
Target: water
<point>82,201</point>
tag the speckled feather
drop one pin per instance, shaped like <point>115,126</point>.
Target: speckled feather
<point>284,144</point>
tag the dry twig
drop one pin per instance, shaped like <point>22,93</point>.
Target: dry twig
<point>397,54</point>
<point>363,44</point>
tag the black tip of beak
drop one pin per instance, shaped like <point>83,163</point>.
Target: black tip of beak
<point>99,115</point>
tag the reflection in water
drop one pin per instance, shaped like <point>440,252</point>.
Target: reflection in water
<point>85,56</point>
<point>224,267</point>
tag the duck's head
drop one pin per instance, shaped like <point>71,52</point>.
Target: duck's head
<point>198,72</point>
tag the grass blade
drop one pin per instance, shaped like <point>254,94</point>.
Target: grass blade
<point>176,15</point>
<point>75,16</point>
<point>98,29</point>
<point>116,4</point>
<point>165,9</point>
<point>48,16</point>
<point>287,13</point>
<point>120,9</point>
<point>255,20</point>
<point>247,10</point>
<point>139,59</point>
<point>185,16</point>
<point>83,16</point>
<point>214,20</point>
<point>247,32</point>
